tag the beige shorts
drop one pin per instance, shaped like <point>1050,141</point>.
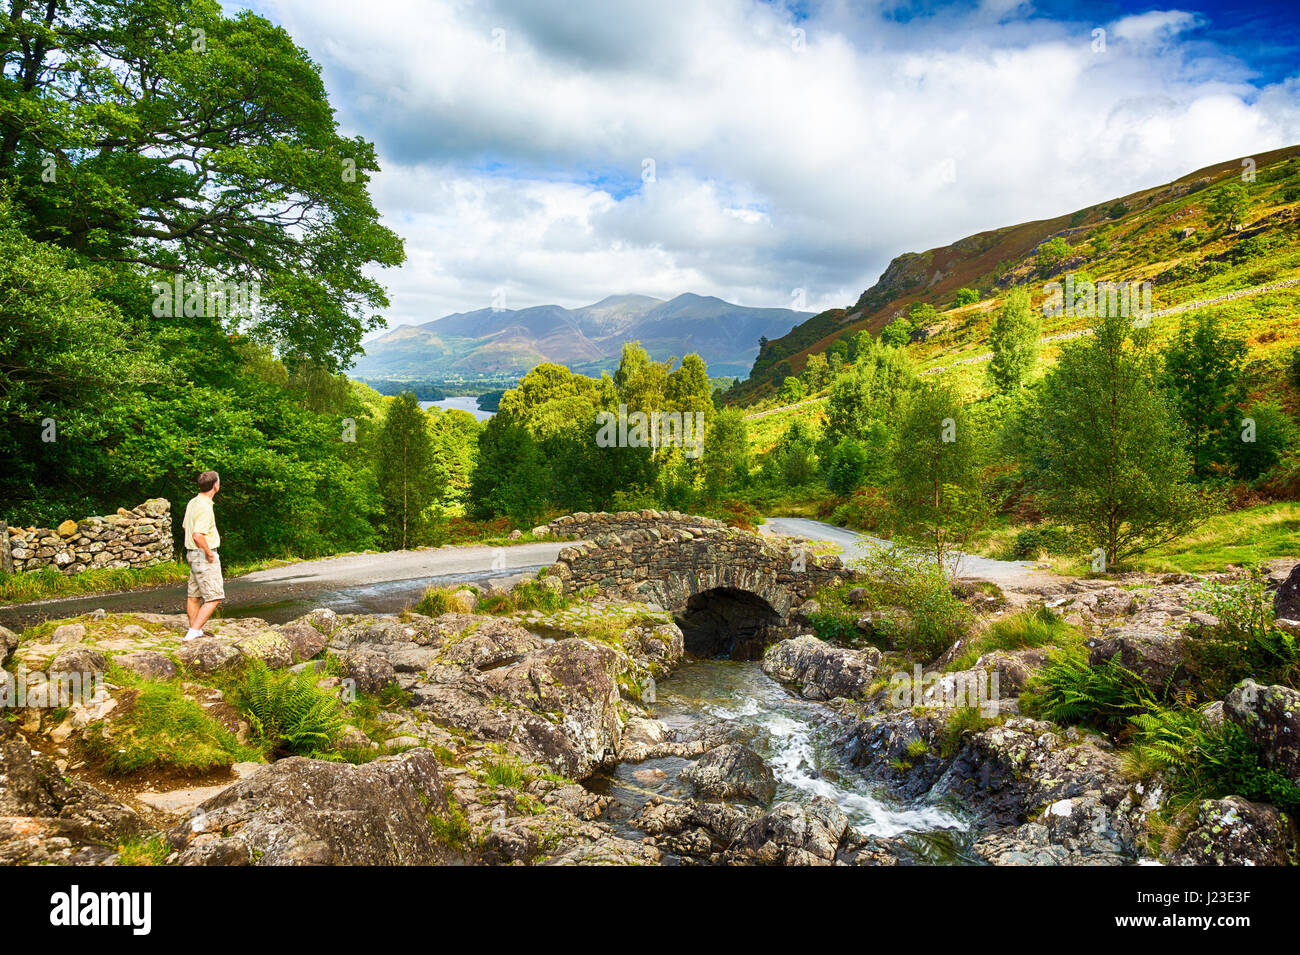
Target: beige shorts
<point>205,577</point>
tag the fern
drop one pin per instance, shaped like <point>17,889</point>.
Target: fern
<point>1071,691</point>
<point>1207,761</point>
<point>287,710</point>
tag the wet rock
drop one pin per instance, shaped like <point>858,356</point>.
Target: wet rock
<point>1270,715</point>
<point>699,830</point>
<point>820,670</point>
<point>731,771</point>
<point>1007,773</point>
<point>302,811</point>
<point>150,664</point>
<point>208,655</point>
<point>1235,831</point>
<point>791,834</point>
<point>369,669</point>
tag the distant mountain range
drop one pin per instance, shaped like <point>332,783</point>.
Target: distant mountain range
<point>496,342</point>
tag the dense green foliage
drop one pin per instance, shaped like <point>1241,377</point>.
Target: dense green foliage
<point>111,392</point>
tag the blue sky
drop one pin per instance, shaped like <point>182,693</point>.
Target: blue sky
<point>761,151</point>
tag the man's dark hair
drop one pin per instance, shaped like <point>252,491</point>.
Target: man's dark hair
<point>207,480</point>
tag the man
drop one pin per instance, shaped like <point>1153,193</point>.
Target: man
<point>206,589</point>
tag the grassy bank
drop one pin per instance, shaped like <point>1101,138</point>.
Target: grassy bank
<point>47,583</point>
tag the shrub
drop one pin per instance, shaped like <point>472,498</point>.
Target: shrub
<point>1032,542</point>
<point>287,710</point>
<point>1202,760</point>
<point>915,582</point>
<point>1246,642</point>
<point>1069,691</point>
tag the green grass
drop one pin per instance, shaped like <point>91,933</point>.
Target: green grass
<point>437,601</point>
<point>525,595</point>
<point>1246,538</point>
<point>47,582</point>
<point>137,851</point>
<point>162,729</point>
<point>501,773</point>
<point>1029,628</point>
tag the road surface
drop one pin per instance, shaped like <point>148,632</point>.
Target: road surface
<point>391,581</point>
<point>353,583</point>
<point>1002,572</point>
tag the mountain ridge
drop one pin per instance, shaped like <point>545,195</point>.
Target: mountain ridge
<point>589,339</point>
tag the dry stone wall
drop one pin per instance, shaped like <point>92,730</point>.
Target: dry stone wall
<point>130,538</point>
<point>583,526</point>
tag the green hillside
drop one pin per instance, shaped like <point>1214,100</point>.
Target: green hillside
<point>1166,235</point>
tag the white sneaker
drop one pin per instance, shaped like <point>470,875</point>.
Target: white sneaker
<point>193,634</point>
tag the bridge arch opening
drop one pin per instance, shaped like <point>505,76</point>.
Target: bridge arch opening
<point>727,622</point>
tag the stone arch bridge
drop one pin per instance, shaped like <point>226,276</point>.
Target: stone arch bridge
<point>731,591</point>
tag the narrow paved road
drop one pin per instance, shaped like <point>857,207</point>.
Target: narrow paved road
<point>1002,572</point>
<point>388,582</point>
<point>354,583</point>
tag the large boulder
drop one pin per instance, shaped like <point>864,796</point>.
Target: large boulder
<point>208,655</point>
<point>490,643</point>
<point>79,658</point>
<point>1286,602</point>
<point>1270,715</point>
<point>369,669</point>
<point>45,817</point>
<point>731,771</point>
<point>304,640</point>
<point>821,671</point>
<point>1237,832</point>
<point>1157,656</point>
<point>302,811</point>
<point>1010,772</point>
<point>148,663</point>
<point>690,828</point>
<point>559,705</point>
<point>791,834</point>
